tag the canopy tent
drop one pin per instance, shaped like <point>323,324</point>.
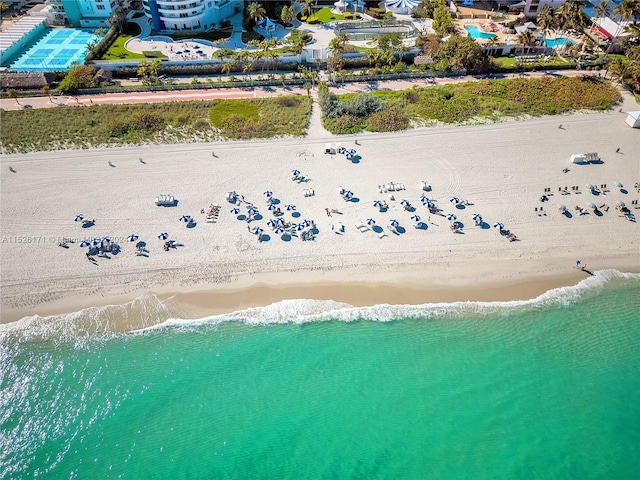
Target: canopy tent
<point>633,119</point>
<point>401,7</point>
<point>266,23</point>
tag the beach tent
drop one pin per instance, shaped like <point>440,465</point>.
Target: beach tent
<point>401,7</point>
<point>633,119</point>
<point>266,23</point>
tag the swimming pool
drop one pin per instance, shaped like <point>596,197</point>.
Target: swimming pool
<point>55,49</point>
<point>557,42</point>
<point>475,32</point>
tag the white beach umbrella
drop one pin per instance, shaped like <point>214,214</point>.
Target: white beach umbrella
<point>290,207</point>
<point>271,206</point>
<point>95,242</point>
<point>295,173</point>
<point>562,208</point>
<point>185,218</point>
<point>257,231</point>
<point>415,218</point>
<point>589,186</point>
<point>268,194</point>
<point>377,203</point>
<point>424,199</point>
<point>278,230</point>
<point>394,223</point>
<point>454,200</point>
<point>618,184</point>
<point>163,236</point>
<point>476,218</point>
<point>300,226</point>
<point>348,194</point>
<point>84,243</point>
<point>308,223</point>
<point>272,223</point>
<point>404,203</point>
<point>451,217</point>
<point>498,225</point>
<point>235,211</point>
<point>620,204</point>
<point>133,237</point>
<point>251,210</point>
<point>78,218</point>
<point>371,221</point>
<point>592,206</point>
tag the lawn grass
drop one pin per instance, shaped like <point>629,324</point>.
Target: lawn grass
<point>489,99</point>
<point>175,122</point>
<point>117,51</point>
<point>509,63</point>
<point>325,15</point>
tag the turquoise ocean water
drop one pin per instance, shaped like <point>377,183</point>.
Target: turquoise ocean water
<point>548,388</point>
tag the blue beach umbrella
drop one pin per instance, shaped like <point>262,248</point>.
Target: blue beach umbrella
<point>424,199</point>
<point>185,218</point>
<point>377,203</point>
<point>404,203</point>
<point>371,221</point>
<point>133,237</point>
<point>295,173</point>
<point>308,223</point>
<point>271,207</point>
<point>290,207</point>
<point>415,218</point>
<point>451,217</point>
<point>163,236</point>
<point>272,223</point>
<point>268,194</point>
<point>95,242</point>
<point>257,231</point>
<point>348,194</point>
<point>476,218</point>
<point>498,225</point>
<point>78,218</point>
<point>454,200</point>
<point>235,211</point>
<point>278,230</point>
<point>394,223</point>
<point>300,226</point>
<point>84,243</point>
<point>251,210</point>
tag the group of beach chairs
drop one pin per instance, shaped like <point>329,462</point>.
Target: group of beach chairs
<point>213,213</point>
<point>308,192</point>
<point>391,187</point>
<point>164,200</point>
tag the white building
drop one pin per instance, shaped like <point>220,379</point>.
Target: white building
<point>82,13</point>
<point>176,15</point>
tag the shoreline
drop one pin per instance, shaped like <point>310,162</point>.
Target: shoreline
<point>391,288</point>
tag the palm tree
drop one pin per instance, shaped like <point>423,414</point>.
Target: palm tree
<point>526,39</point>
<point>546,20</point>
<point>633,31</point>
<point>13,93</point>
<point>339,43</point>
<point>47,89</point>
<point>306,8</point>
<point>256,12</point>
<point>226,67</point>
<point>625,11</point>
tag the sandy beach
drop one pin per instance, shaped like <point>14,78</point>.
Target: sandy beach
<point>501,169</point>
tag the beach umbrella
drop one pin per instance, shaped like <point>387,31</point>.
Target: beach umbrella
<point>95,242</point>
<point>394,223</point>
<point>377,203</point>
<point>251,210</point>
<point>308,223</point>
<point>280,221</point>
<point>451,217</point>
<point>84,243</point>
<point>290,207</point>
<point>78,218</point>
<point>404,203</point>
<point>424,199</point>
<point>592,206</point>
<point>300,226</point>
<point>271,206</point>
<point>371,221</point>
<point>562,208</point>
<point>476,218</point>
<point>235,211</point>
<point>618,184</point>
<point>415,218</point>
<point>257,231</point>
<point>620,204</point>
<point>348,194</point>
<point>106,240</point>
<point>163,236</point>
<point>295,173</point>
<point>268,194</point>
<point>454,200</point>
<point>185,218</point>
<point>498,225</point>
<point>278,230</point>
<point>133,237</point>
<point>352,152</point>
<point>141,244</point>
<point>272,223</point>
<point>589,186</point>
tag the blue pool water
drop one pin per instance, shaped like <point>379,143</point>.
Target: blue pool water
<point>475,32</point>
<point>56,49</point>
<point>557,42</point>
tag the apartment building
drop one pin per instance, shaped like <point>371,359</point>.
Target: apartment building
<point>198,15</point>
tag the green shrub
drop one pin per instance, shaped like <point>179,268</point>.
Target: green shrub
<point>117,129</point>
<point>343,125</point>
<point>387,121</point>
<point>145,121</point>
<point>362,105</point>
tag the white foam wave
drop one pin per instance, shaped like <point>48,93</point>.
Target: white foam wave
<point>148,313</point>
<point>304,310</point>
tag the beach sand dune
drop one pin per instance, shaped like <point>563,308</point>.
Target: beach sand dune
<point>503,169</point>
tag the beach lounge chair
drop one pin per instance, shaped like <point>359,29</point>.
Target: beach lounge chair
<point>362,227</point>
<point>163,200</point>
<point>425,186</point>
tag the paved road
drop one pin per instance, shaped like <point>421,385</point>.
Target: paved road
<point>253,92</point>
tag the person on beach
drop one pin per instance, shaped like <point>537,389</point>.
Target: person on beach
<point>618,150</point>
<point>328,212</point>
<point>560,126</point>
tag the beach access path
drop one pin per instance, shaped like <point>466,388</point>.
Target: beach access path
<point>502,168</point>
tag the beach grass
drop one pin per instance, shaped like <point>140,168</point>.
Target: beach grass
<point>488,99</point>
<point>170,122</point>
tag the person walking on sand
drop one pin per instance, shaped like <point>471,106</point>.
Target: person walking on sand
<point>560,126</point>
<point>618,150</point>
